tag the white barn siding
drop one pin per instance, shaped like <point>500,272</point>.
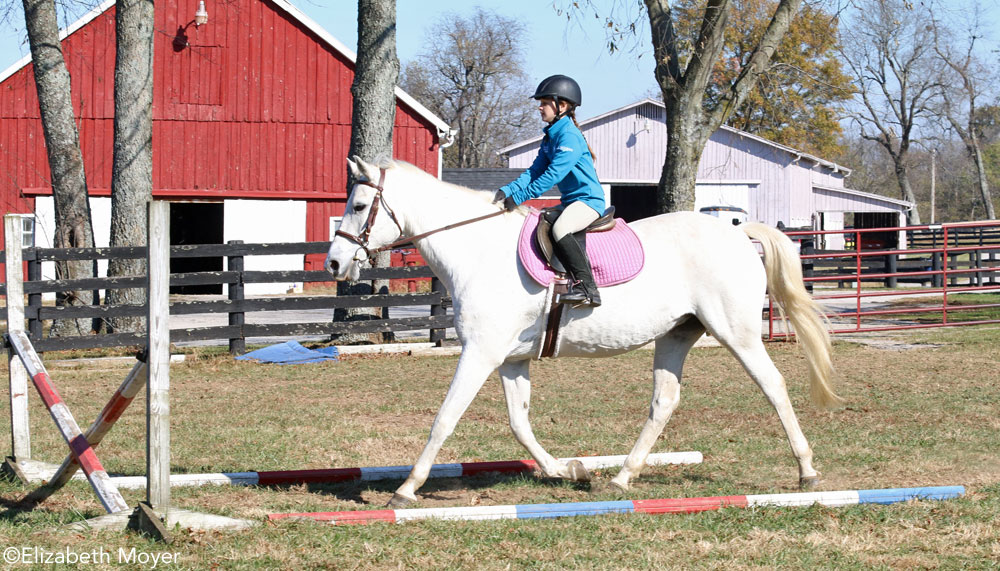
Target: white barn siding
<point>253,221</point>
<point>629,145</point>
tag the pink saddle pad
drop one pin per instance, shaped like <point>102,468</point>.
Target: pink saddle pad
<point>616,256</point>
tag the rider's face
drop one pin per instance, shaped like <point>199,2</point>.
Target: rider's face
<point>547,108</point>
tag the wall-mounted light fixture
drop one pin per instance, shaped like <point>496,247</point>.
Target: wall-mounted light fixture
<point>201,15</point>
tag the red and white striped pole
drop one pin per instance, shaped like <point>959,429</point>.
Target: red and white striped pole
<point>128,390</point>
<point>79,447</point>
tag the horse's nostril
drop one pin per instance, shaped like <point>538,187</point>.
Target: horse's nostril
<point>333,266</point>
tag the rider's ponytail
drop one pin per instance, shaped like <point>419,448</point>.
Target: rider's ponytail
<point>572,115</point>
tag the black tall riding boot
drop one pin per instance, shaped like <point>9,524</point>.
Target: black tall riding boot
<point>583,290</point>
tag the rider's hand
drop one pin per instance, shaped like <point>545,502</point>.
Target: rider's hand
<point>508,202</point>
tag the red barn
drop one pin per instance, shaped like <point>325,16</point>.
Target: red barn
<point>251,124</point>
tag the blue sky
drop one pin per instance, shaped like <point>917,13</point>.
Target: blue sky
<point>553,45</point>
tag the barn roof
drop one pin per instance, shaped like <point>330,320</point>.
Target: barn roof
<point>289,9</point>
<point>866,195</point>
<point>486,178</point>
<point>799,155</point>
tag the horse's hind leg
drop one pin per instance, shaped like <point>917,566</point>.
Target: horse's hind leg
<point>517,389</point>
<point>668,361</point>
<point>749,349</point>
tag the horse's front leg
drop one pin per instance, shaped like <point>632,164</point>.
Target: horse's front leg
<point>517,390</point>
<point>473,369</point>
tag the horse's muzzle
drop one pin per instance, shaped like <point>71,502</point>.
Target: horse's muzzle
<point>348,272</point>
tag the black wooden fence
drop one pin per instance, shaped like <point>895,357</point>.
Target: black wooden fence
<point>983,265</point>
<point>236,306</point>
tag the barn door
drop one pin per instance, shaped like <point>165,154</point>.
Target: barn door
<point>831,221</point>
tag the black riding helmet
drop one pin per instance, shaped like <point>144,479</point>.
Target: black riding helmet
<point>560,88</point>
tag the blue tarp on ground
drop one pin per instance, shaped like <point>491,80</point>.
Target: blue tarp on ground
<point>291,353</point>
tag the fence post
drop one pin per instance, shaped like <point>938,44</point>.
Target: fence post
<point>18,375</point>
<point>237,345</point>
<point>808,265</point>
<point>438,335</point>
<point>937,279</point>
<point>891,267</point>
<point>158,359</point>
<point>977,259</point>
<point>35,299</point>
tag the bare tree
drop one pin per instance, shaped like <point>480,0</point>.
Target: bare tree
<point>683,71</point>
<point>374,114</point>
<point>62,140</point>
<point>471,74</point>
<point>889,49</point>
<point>960,96</point>
<point>132,168</point>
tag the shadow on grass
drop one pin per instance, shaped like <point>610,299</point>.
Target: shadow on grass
<point>434,489</point>
<point>441,489</point>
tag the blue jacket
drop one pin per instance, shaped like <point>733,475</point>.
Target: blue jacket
<point>563,159</point>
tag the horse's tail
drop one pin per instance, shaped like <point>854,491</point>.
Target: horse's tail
<point>784,283</point>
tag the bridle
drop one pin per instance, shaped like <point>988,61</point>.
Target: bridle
<point>361,239</point>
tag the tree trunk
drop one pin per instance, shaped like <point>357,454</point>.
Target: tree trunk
<point>689,123</point>
<point>374,114</point>
<point>984,183</point>
<point>903,178</point>
<point>676,190</point>
<point>132,169</point>
<point>62,141</point>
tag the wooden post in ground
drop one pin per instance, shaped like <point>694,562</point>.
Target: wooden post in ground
<point>237,345</point>
<point>437,336</point>
<point>158,358</point>
<point>20,435</point>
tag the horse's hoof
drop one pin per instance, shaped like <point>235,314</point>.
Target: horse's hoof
<point>810,482</point>
<point>577,471</point>
<point>617,487</point>
<point>399,500</point>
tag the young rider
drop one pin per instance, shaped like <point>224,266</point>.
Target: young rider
<point>564,159</point>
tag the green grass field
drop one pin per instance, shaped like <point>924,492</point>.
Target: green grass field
<point>923,416</point>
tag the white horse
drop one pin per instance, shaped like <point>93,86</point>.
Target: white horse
<point>700,275</point>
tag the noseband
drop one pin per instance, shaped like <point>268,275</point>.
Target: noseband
<point>361,239</point>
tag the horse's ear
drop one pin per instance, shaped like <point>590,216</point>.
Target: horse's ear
<point>363,170</point>
<point>355,168</point>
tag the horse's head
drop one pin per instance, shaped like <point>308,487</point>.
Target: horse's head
<point>368,223</point>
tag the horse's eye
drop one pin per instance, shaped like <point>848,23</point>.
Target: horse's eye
<point>359,207</point>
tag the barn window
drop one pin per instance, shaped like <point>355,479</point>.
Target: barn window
<point>28,232</point>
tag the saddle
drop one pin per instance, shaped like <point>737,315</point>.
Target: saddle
<point>616,255</point>
<point>543,234</point>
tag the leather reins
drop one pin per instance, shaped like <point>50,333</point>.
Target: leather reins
<point>361,239</point>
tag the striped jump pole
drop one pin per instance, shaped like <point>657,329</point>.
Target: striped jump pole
<point>662,506</point>
<point>333,475</point>
<point>79,447</point>
<point>112,411</point>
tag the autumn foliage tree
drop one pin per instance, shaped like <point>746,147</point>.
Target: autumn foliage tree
<point>797,99</point>
<point>684,70</point>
